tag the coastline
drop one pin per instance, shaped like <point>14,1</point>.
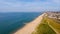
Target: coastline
<point>30,27</point>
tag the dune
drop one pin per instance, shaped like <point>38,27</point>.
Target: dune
<point>30,27</point>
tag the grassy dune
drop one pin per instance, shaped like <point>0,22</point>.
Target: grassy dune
<point>44,27</point>
<point>55,24</point>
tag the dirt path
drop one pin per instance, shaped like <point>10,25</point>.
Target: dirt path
<point>54,29</point>
<point>30,27</point>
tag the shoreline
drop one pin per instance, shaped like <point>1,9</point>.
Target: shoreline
<point>30,27</point>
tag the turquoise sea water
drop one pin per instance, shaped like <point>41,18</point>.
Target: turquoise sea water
<point>10,22</point>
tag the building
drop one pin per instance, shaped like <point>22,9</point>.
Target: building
<point>55,15</point>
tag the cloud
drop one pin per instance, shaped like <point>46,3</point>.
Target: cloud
<point>56,1</point>
<point>29,5</point>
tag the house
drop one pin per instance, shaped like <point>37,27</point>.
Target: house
<point>55,15</point>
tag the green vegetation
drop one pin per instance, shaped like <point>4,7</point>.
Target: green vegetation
<point>44,28</point>
<point>55,24</point>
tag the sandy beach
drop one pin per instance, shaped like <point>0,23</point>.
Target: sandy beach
<point>30,27</point>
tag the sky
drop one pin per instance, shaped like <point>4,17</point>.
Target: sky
<point>29,5</point>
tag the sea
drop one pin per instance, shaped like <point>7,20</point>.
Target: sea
<point>12,21</point>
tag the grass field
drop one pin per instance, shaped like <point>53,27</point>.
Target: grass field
<point>44,27</point>
<point>55,24</point>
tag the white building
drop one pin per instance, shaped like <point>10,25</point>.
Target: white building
<point>55,15</point>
